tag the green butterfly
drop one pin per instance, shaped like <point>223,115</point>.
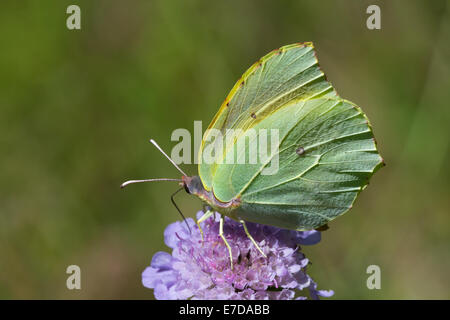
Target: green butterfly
<point>326,150</point>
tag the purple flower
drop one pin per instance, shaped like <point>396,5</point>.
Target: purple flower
<point>201,270</point>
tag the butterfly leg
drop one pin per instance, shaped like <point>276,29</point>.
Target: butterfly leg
<point>203,218</point>
<point>225,240</point>
<point>251,238</point>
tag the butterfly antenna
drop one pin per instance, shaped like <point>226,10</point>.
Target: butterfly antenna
<point>173,162</point>
<point>123,185</point>
<point>181,213</point>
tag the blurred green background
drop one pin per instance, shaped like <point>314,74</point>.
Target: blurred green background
<point>77,109</point>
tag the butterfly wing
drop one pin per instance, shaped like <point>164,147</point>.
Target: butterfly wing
<point>291,72</point>
<point>325,153</point>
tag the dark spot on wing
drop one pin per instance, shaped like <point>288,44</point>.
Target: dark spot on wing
<point>242,83</point>
<point>253,115</point>
<point>300,151</point>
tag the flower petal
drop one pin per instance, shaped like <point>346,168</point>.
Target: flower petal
<point>162,261</point>
<point>308,237</point>
<point>201,270</point>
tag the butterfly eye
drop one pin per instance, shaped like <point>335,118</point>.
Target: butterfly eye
<point>300,151</point>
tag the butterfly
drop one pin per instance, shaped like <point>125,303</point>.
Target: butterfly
<point>325,151</point>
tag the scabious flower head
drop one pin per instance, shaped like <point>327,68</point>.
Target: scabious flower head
<point>201,270</point>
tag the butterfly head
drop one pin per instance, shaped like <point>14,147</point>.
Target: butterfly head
<point>192,185</point>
